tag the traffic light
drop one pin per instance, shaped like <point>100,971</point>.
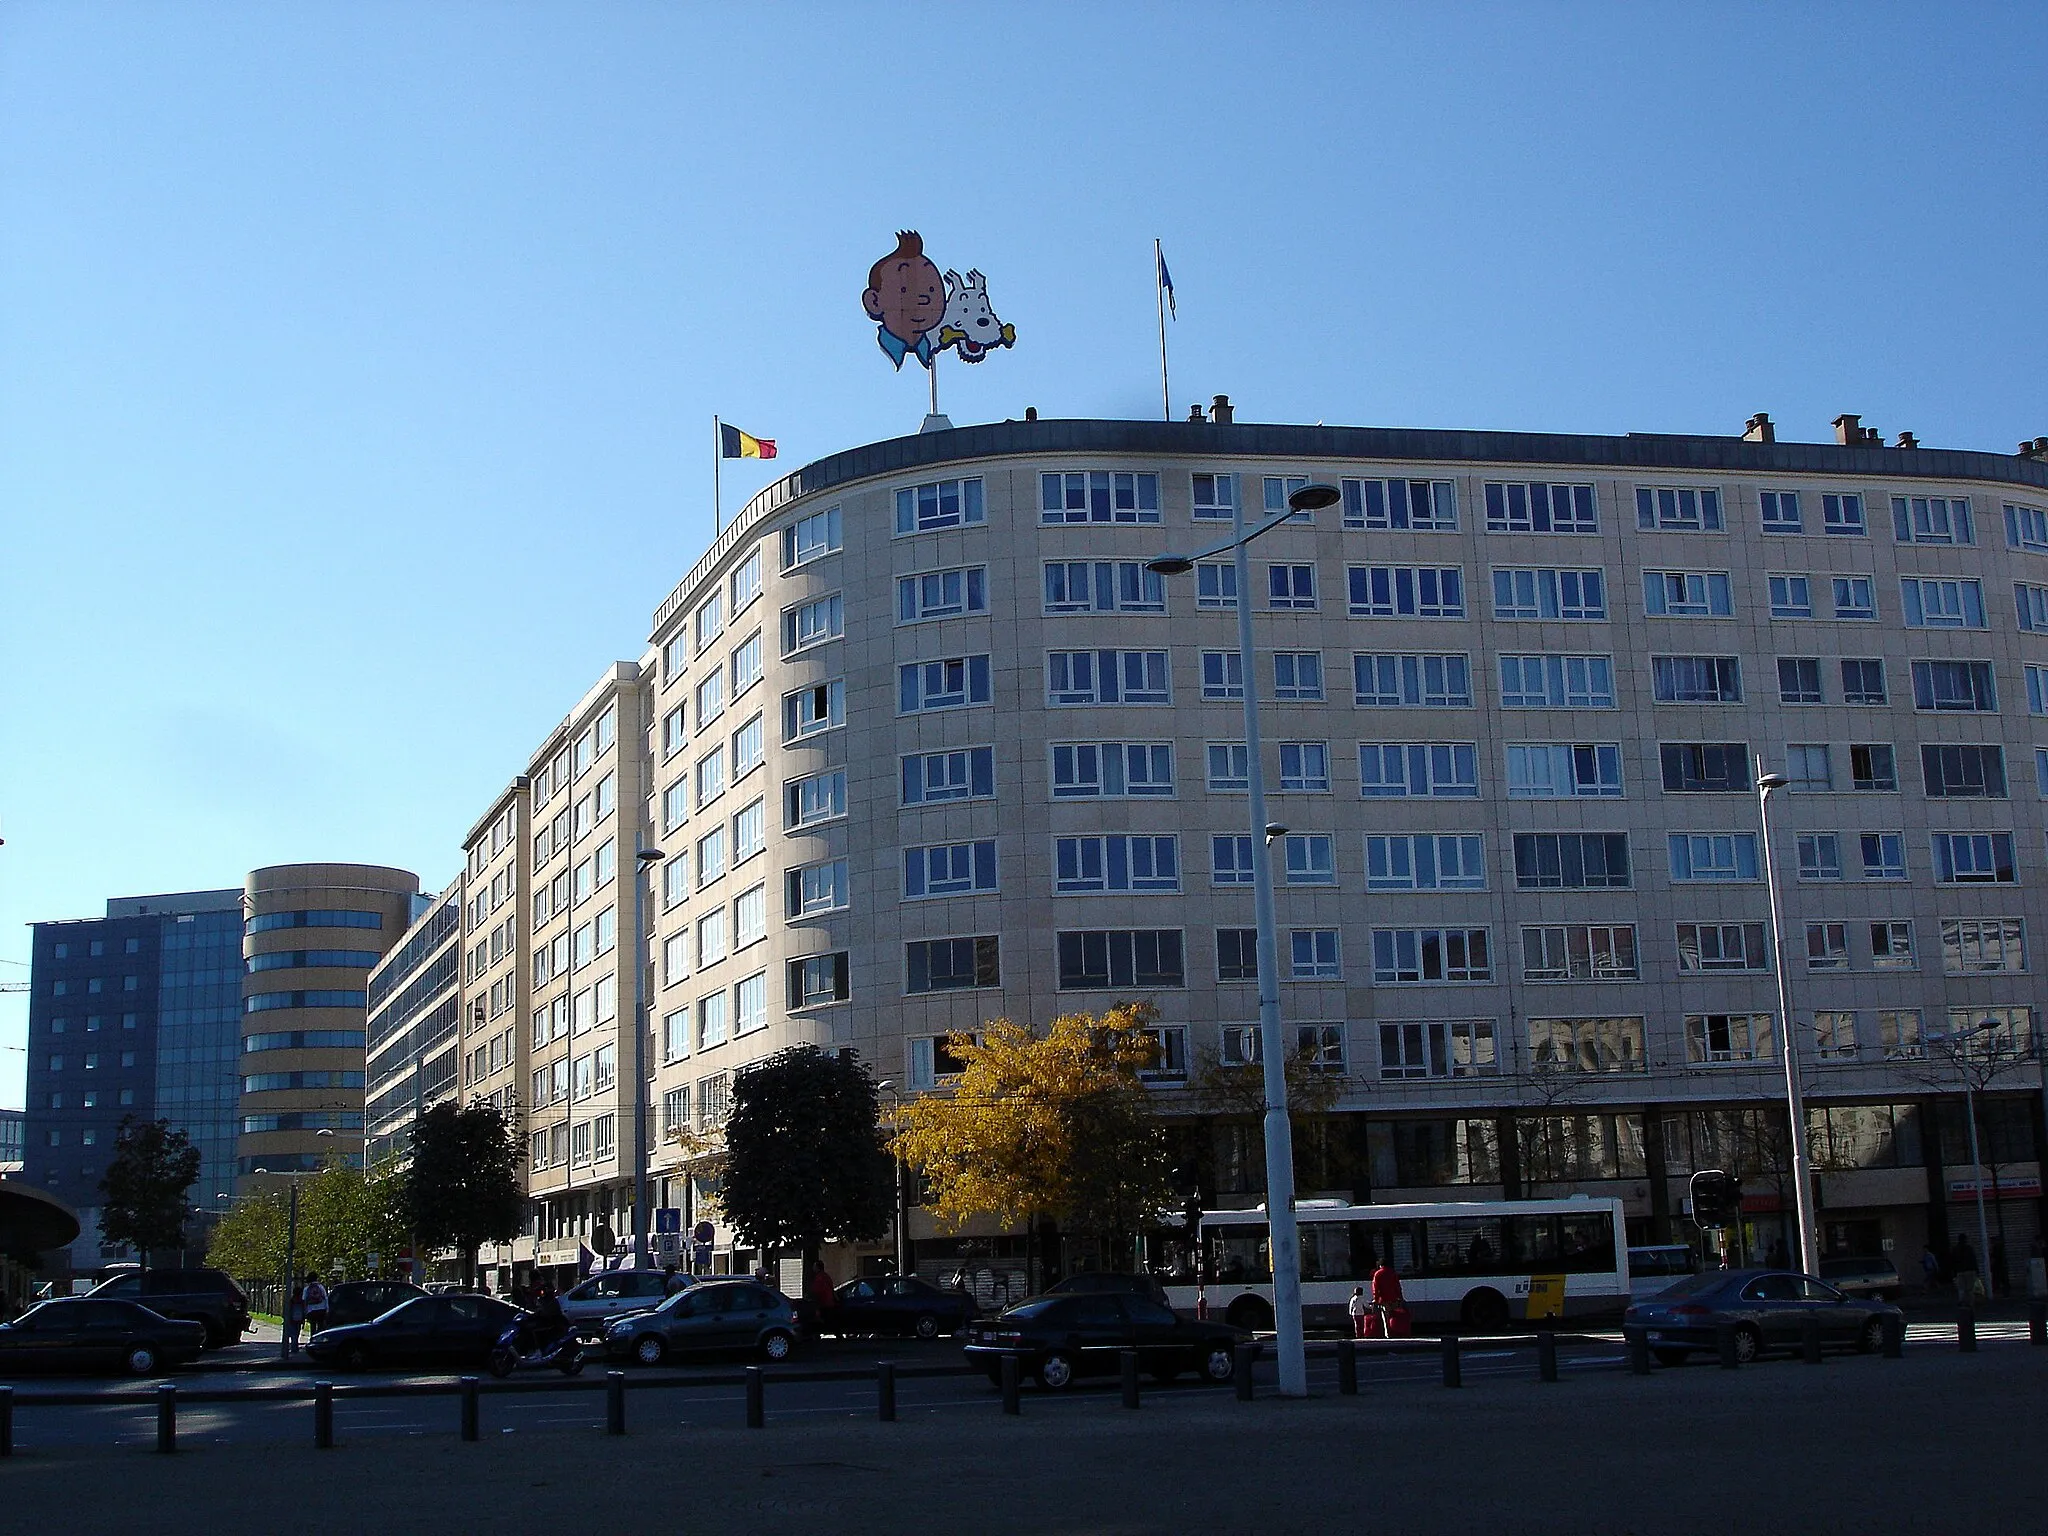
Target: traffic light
<point>1716,1198</point>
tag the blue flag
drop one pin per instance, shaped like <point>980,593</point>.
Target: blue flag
<point>1166,284</point>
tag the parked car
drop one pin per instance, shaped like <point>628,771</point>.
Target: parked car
<point>362,1301</point>
<point>900,1304</point>
<point>1769,1309</point>
<point>1658,1267</point>
<point>712,1314</point>
<point>206,1296</point>
<point>601,1298</point>
<point>452,1330</point>
<point>1869,1276</point>
<point>1060,1338</point>
<point>1091,1280</point>
<point>95,1333</point>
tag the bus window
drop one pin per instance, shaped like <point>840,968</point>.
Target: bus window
<point>1588,1241</point>
<point>1374,1243</point>
<point>1465,1245</point>
<point>1531,1243</point>
<point>1326,1250</point>
<point>1237,1255</point>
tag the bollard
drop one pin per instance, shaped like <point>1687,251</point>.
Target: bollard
<point>1724,1345</point>
<point>1809,1340</point>
<point>615,1402</point>
<point>757,1413</point>
<point>1012,1404</point>
<point>323,1415</point>
<point>1347,1367</point>
<point>2037,1323</point>
<point>1241,1371</point>
<point>6,1421</point>
<point>1966,1330</point>
<point>1454,1370</point>
<point>166,1419</point>
<point>1546,1356</point>
<point>469,1423</point>
<point>1638,1356</point>
<point>1130,1367</point>
<point>885,1391</point>
<point>1894,1338</point>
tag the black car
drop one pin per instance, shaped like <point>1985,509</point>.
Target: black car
<point>363,1301</point>
<point>208,1296</point>
<point>899,1304</point>
<point>1059,1338</point>
<point>456,1330</point>
<point>92,1333</point>
<point>1088,1280</point>
<point>1769,1309</point>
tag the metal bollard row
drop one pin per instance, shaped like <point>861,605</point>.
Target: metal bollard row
<point>1894,1338</point>
<point>1454,1369</point>
<point>1546,1356</point>
<point>166,1419</point>
<point>1241,1371</point>
<point>1347,1367</point>
<point>323,1415</point>
<point>1966,1331</point>
<point>1012,1403</point>
<point>1129,1361</point>
<point>1638,1355</point>
<point>1809,1340</point>
<point>615,1402</point>
<point>6,1421</point>
<point>1725,1346</point>
<point>885,1392</point>
<point>2037,1323</point>
<point>757,1412</point>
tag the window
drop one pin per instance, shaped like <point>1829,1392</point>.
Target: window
<point>1120,957</point>
<point>1556,770</point>
<point>952,965</point>
<point>1119,861</point>
<point>746,664</point>
<point>1891,946</point>
<point>1697,679</point>
<point>1435,770</point>
<point>818,979</point>
<point>1393,681</point>
<point>1586,1044</point>
<point>1863,680</point>
<point>2032,603</point>
<point>955,683</point>
<point>673,735</point>
<point>1311,858</point>
<point>1715,1037</point>
<point>1549,594</point>
<point>1957,772</point>
<point>966,774</point>
<point>1810,767</point>
<point>1843,515</point>
<point>934,1059</point>
<point>1799,680</point>
<point>1704,767</point>
<point>942,504</point>
<point>1298,675</point>
<point>1705,856</point>
<point>948,594</point>
<point>2037,690</point>
<point>747,752</point>
<point>1425,861</point>
<point>1290,586</point>
<point>710,620</point>
<point>814,889</point>
<point>1320,1047</point>
<point>1884,855</point>
<point>810,624</point>
<point>1973,945</point>
<point>1535,507</point>
<point>1222,675</point>
<point>1214,498</point>
<point>2026,528</point>
<point>1230,859</point>
<point>710,776</point>
<point>711,1021</point>
<point>1687,595</point>
<point>1963,687</point>
<point>1237,954</point>
<point>1722,947</point>
<point>750,1003</point>
<point>1278,488</point>
<point>1437,1048</point>
<point>1419,506</point>
<point>1935,603</point>
<point>1170,1054</point>
<point>949,869</point>
<point>2041,771</point>
<point>675,965</point>
<point>1112,770</point>
<point>1932,520</point>
<point>1312,955</point>
<point>1973,858</point>
<point>1580,952</point>
<point>1098,496</point>
<point>1556,682</point>
<point>1215,585</point>
<point>1780,511</point>
<point>1103,586</point>
<point>749,832</point>
<point>746,580</point>
<point>1827,946</point>
<point>1678,509</point>
<point>1416,956</point>
<point>711,938</point>
<point>1855,597</point>
<point>1571,861</point>
<point>1871,767</point>
<point>1996,1033</point>
<point>1304,767</point>
<point>1791,597</point>
<point>1107,677</point>
<point>1407,591</point>
<point>808,538</point>
<point>1898,1034</point>
<point>1820,856</point>
<point>710,699</point>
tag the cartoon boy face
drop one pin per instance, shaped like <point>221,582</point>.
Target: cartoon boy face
<point>906,294</point>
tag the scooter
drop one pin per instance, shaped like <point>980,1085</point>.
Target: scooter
<point>516,1350</point>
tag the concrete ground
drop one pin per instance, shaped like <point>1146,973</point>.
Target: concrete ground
<point>1937,1442</point>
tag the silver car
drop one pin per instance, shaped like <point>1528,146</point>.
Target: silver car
<point>599,1299</point>
<point>713,1315</point>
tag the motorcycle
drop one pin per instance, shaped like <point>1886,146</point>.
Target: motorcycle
<point>518,1348</point>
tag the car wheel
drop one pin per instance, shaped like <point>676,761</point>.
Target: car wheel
<point>1749,1344</point>
<point>1220,1363</point>
<point>1669,1356</point>
<point>650,1349</point>
<point>776,1345</point>
<point>1871,1339</point>
<point>502,1362</point>
<point>1055,1372</point>
<point>356,1358</point>
<point>214,1337</point>
<point>1485,1311</point>
<point>141,1360</point>
<point>926,1326</point>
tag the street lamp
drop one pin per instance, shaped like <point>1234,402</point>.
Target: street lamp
<point>1795,1100</point>
<point>1273,1052</point>
<point>1957,1042</point>
<point>896,1155</point>
<point>644,860</point>
<point>291,1243</point>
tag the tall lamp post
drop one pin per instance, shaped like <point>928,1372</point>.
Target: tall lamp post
<point>901,1224</point>
<point>1768,784</point>
<point>1957,1042</point>
<point>291,1245</point>
<point>1273,1050</point>
<point>644,860</point>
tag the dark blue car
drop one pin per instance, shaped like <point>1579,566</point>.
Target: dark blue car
<point>1768,1308</point>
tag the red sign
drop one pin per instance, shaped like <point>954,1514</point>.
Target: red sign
<point>2023,1188</point>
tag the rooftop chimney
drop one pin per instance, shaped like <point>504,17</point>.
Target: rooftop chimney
<point>1758,429</point>
<point>1195,413</point>
<point>1907,440</point>
<point>1031,413</point>
<point>1851,433</point>
<point>2037,448</point>
<point>1219,411</point>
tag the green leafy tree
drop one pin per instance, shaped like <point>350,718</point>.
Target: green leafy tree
<point>462,1189</point>
<point>249,1241</point>
<point>804,1161</point>
<point>143,1192</point>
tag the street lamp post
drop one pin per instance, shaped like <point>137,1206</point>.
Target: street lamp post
<point>1788,1047</point>
<point>644,860</point>
<point>1285,1234</point>
<point>900,1223</point>
<point>1958,1041</point>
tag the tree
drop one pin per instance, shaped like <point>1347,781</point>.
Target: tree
<point>142,1194</point>
<point>462,1189</point>
<point>249,1241</point>
<point>1059,1124</point>
<point>345,1215</point>
<point>804,1160</point>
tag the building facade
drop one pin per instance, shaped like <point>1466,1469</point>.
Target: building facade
<point>414,998</point>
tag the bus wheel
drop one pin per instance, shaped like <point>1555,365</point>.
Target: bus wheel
<point>1485,1311</point>
<point>1250,1312</point>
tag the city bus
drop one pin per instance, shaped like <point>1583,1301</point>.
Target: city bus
<point>1484,1265</point>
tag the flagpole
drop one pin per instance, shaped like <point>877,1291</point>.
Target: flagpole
<point>1159,286</point>
<point>717,469</point>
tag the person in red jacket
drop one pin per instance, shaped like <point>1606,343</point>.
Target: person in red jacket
<point>1386,1297</point>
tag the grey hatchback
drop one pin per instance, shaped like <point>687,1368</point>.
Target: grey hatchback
<point>711,1315</point>
<point>1767,1308</point>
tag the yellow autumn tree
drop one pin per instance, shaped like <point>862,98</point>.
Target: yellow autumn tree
<point>1056,1124</point>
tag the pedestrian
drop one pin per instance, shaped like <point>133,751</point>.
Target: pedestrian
<point>824,1299</point>
<point>1201,1302</point>
<point>1387,1299</point>
<point>294,1316</point>
<point>1358,1306</point>
<point>316,1304</point>
<point>1930,1268</point>
<point>1962,1264</point>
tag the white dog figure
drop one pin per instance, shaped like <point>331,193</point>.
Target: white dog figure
<point>970,327</point>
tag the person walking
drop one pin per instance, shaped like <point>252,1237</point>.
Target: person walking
<point>316,1304</point>
<point>1387,1299</point>
<point>1359,1308</point>
<point>1930,1268</point>
<point>1962,1264</point>
<point>824,1299</point>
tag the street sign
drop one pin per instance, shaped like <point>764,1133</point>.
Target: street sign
<point>703,1233</point>
<point>668,1218</point>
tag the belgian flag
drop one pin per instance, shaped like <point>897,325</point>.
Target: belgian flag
<point>735,444</point>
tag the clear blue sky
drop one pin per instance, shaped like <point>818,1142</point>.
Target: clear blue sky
<point>357,361</point>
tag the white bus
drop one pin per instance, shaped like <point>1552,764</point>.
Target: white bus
<point>1482,1264</point>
